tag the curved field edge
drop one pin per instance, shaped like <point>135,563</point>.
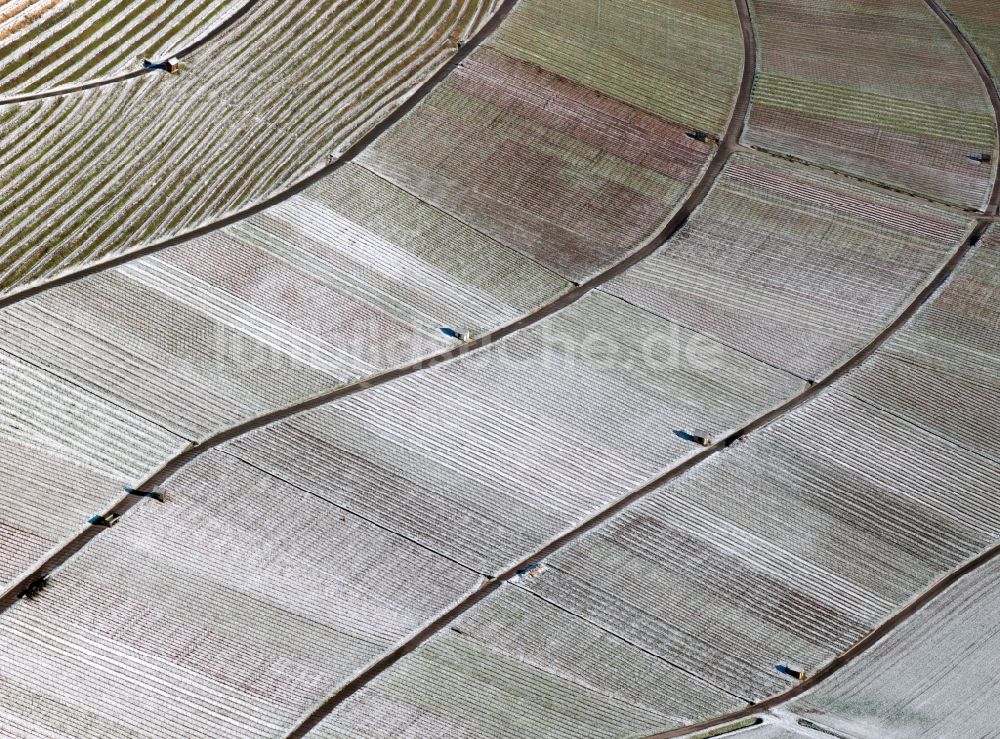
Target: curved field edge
<point>921,601</point>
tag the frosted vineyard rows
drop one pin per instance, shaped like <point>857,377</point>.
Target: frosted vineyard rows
<point>880,90</point>
<point>355,275</point>
<point>794,266</point>
<point>251,113</point>
<point>53,43</point>
<point>345,281</point>
<point>570,178</point>
<point>933,677</point>
<point>452,471</point>
<point>804,592</point>
<point>294,556</point>
<point>735,568</point>
<point>741,563</point>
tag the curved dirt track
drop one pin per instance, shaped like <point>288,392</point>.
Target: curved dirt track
<point>210,35</point>
<point>988,82</point>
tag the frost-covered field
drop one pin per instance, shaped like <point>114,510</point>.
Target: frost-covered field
<point>563,174</point>
<point>486,457</point>
<point>249,114</point>
<point>875,89</point>
<point>792,265</point>
<point>934,677</point>
<point>53,43</point>
<point>231,605</point>
<point>339,283</point>
<point>65,454</point>
<point>683,57</point>
<point>225,613</point>
<point>520,667</point>
<point>790,546</point>
<point>942,371</point>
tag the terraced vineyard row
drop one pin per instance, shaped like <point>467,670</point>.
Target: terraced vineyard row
<point>187,640</point>
<point>942,371</point>
<point>793,266</point>
<point>133,163</point>
<point>52,43</point>
<point>566,677</point>
<point>734,567</point>
<point>880,90</point>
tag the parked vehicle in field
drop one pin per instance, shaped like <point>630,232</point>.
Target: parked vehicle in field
<point>793,672</point>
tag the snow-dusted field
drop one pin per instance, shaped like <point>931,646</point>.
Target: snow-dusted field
<point>934,677</point>
<point>522,667</point>
<point>344,281</point>
<point>224,613</point>
<point>53,43</point>
<point>942,371</point>
<point>290,558</point>
<point>487,457</point>
<point>790,546</point>
<point>251,113</point>
<point>66,453</point>
<point>792,265</point>
<point>228,602</point>
<point>879,89</point>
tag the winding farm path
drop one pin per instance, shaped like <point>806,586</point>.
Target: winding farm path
<point>728,145</point>
<point>215,32</point>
